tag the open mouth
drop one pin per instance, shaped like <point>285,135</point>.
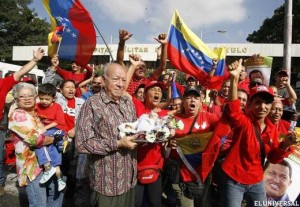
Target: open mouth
<point>141,71</point>
<point>156,98</point>
<point>274,187</point>
<point>192,107</point>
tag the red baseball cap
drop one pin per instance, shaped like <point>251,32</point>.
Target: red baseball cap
<point>190,77</point>
<point>262,89</point>
<point>155,83</point>
<point>282,73</point>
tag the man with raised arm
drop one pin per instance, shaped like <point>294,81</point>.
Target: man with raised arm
<point>139,75</point>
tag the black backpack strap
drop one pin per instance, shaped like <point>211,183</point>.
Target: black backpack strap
<point>262,147</point>
<point>193,124</point>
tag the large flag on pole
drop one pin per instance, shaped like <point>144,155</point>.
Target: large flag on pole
<point>189,54</point>
<point>72,34</point>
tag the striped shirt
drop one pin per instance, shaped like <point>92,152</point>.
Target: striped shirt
<point>112,171</point>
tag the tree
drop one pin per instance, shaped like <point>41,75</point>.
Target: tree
<point>272,29</point>
<point>20,26</point>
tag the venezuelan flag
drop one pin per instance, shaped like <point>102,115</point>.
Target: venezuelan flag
<point>192,146</point>
<point>189,54</point>
<point>78,39</point>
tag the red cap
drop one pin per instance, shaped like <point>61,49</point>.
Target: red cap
<point>282,73</point>
<point>190,77</point>
<point>261,89</point>
<point>155,83</point>
<point>28,80</point>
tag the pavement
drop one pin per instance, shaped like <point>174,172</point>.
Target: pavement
<point>15,196</point>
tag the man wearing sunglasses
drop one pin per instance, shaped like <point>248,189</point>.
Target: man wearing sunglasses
<point>256,78</point>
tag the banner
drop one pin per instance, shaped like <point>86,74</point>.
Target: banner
<point>263,64</point>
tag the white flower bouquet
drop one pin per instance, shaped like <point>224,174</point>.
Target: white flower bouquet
<point>151,128</point>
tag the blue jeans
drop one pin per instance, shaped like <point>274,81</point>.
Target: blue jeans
<point>46,195</point>
<point>2,137</point>
<point>234,192</point>
<point>47,154</point>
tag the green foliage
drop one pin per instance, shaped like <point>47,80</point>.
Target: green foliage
<point>272,29</point>
<point>20,26</point>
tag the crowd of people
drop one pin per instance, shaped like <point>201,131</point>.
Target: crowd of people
<point>230,151</point>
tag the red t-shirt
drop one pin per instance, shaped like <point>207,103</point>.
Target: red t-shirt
<point>77,77</point>
<point>51,114</point>
<point>217,109</point>
<point>204,107</point>
<point>6,85</point>
<point>283,127</point>
<point>134,84</point>
<point>205,123</point>
<point>69,114</point>
<point>243,161</point>
<point>148,154</point>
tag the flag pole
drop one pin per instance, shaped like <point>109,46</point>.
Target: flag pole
<point>112,59</point>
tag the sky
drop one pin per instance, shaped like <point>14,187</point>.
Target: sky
<point>145,19</point>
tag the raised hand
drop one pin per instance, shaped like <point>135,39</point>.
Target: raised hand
<point>55,60</point>
<point>235,68</point>
<point>215,62</point>
<point>213,94</point>
<point>284,81</point>
<point>290,139</point>
<point>38,54</point>
<point>162,39</point>
<point>124,35</point>
<point>135,60</point>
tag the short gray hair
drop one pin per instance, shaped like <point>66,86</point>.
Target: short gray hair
<point>105,70</point>
<point>17,88</point>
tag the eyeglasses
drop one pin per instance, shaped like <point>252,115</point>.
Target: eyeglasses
<point>26,96</point>
<point>254,83</point>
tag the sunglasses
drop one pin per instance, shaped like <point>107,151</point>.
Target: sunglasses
<point>255,83</point>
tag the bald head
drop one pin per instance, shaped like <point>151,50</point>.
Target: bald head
<point>114,80</point>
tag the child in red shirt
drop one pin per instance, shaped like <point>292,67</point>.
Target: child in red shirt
<point>52,116</point>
